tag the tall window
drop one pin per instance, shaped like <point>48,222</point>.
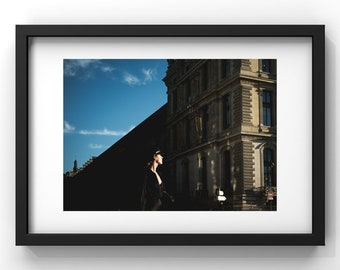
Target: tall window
<point>205,122</point>
<point>226,112</point>
<point>174,138</point>
<point>227,170</point>
<point>265,65</point>
<point>226,69</point>
<point>188,97</point>
<point>205,77</point>
<point>174,101</point>
<point>204,174</point>
<point>269,168</point>
<point>187,133</point>
<point>267,108</point>
<point>185,180</point>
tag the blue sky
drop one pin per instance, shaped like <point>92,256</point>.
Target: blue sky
<point>104,99</point>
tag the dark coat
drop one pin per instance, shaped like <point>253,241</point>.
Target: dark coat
<point>152,192</point>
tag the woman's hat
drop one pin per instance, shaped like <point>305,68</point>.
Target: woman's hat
<point>158,152</point>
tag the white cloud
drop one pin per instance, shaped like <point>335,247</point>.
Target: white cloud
<point>84,68</point>
<point>83,63</point>
<point>148,75</point>
<point>107,68</point>
<point>68,128</point>
<point>73,66</point>
<point>95,146</point>
<point>131,80</point>
<point>69,70</point>
<point>104,132</point>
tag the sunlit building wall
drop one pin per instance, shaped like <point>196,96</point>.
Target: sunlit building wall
<point>221,125</point>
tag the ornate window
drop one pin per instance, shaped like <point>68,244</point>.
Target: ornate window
<point>185,177</point>
<point>226,68</point>
<point>188,133</point>
<point>226,111</point>
<point>204,77</point>
<point>265,65</point>
<point>267,108</point>
<point>174,101</point>
<point>227,172</point>
<point>174,142</point>
<point>269,167</point>
<point>205,122</point>
<point>204,173</point>
<point>187,87</point>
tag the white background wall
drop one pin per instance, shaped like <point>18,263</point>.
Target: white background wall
<point>166,12</point>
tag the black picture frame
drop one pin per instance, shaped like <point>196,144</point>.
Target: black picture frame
<point>25,32</point>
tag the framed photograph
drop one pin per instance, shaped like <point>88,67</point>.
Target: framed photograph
<point>170,135</point>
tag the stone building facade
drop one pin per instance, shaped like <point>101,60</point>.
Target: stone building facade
<point>221,126</point>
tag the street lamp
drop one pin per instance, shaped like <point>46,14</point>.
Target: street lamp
<point>220,197</point>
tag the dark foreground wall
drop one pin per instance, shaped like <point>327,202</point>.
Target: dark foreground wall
<point>113,181</point>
